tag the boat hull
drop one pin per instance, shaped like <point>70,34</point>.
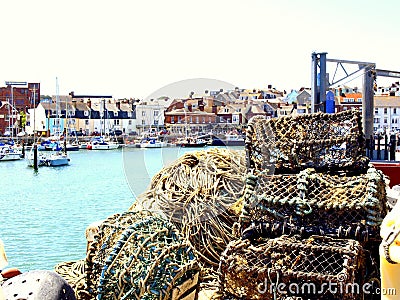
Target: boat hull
<point>153,145</point>
<point>189,145</point>
<point>57,162</point>
<point>10,157</point>
<point>104,146</point>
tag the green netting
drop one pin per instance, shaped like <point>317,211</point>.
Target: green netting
<point>315,203</point>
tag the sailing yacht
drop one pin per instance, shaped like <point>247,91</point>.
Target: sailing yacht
<point>54,157</point>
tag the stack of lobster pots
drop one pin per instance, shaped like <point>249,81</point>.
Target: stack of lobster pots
<point>310,215</point>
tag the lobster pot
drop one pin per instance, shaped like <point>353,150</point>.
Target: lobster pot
<point>139,255</point>
<point>314,203</point>
<point>292,267</point>
<point>326,142</point>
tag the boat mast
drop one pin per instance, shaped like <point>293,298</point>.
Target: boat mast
<point>57,108</point>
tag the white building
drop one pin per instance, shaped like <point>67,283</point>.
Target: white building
<point>150,114</point>
<point>393,90</point>
<point>387,113</point>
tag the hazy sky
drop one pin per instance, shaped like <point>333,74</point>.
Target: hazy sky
<point>129,48</point>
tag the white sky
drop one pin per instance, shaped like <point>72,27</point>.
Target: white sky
<point>130,48</point>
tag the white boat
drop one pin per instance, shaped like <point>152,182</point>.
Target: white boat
<point>152,143</point>
<point>41,158</point>
<point>57,159</point>
<point>99,143</point>
<point>8,153</point>
<point>83,145</point>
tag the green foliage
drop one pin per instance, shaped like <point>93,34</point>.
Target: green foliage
<point>22,119</point>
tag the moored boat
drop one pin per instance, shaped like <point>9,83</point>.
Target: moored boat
<point>57,159</point>
<point>152,143</point>
<point>8,153</point>
<point>191,143</point>
<point>99,143</point>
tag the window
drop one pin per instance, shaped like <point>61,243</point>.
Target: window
<point>116,122</point>
<point>395,110</point>
<point>143,113</point>
<point>204,119</point>
<point>86,113</point>
<point>156,113</point>
<point>377,120</point>
<point>376,110</point>
<point>86,122</point>
<point>197,119</point>
<point>385,120</point>
<point>130,122</point>
<point>143,122</point>
<point>129,114</point>
<point>155,122</point>
<point>385,111</point>
<point>115,114</point>
<point>179,119</point>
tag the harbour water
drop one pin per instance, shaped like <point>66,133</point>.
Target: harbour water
<point>44,214</point>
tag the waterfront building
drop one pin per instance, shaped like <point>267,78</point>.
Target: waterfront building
<point>89,116</point>
<point>387,114</point>
<point>8,113</point>
<point>150,114</point>
<point>127,112</point>
<point>21,96</point>
<point>347,98</point>
<point>189,116</point>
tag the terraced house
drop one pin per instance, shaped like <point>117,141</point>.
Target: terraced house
<point>86,116</point>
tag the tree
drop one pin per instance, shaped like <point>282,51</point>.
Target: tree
<point>22,122</point>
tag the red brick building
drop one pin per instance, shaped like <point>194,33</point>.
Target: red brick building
<point>20,98</point>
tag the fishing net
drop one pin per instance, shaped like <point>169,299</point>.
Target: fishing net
<point>196,193</point>
<point>135,255</point>
<point>310,203</point>
<point>326,142</point>
<point>315,268</point>
<point>74,273</point>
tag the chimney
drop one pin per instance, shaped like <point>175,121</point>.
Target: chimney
<point>89,103</point>
<point>118,104</point>
<point>269,86</point>
<point>190,107</point>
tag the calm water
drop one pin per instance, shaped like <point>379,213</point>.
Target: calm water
<point>44,215</point>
